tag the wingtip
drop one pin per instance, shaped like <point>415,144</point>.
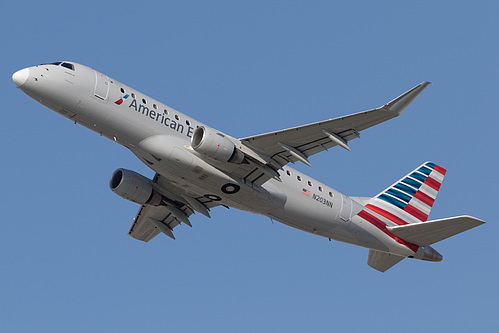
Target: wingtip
<point>399,104</point>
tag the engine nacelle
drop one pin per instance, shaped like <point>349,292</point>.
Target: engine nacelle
<point>132,186</point>
<point>215,145</point>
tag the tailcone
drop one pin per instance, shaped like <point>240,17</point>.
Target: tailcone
<point>428,253</point>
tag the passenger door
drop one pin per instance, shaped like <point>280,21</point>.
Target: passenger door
<point>101,86</point>
<point>346,208</point>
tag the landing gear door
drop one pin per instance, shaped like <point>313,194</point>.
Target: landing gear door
<point>101,86</point>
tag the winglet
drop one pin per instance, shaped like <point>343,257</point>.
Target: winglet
<point>399,104</point>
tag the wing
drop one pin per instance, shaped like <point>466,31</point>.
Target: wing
<point>175,209</point>
<point>298,143</point>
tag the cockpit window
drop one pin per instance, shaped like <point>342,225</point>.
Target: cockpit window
<point>54,63</point>
<point>63,64</point>
<point>68,66</point>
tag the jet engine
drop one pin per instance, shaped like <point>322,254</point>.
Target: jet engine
<point>134,187</point>
<point>215,145</point>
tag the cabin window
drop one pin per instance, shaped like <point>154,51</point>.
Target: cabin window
<point>331,194</point>
<point>133,95</point>
<point>188,123</point>
<point>165,111</point>
<point>288,173</point>
<point>122,90</point>
<point>155,106</point>
<point>176,117</point>
<point>144,101</point>
<point>320,188</point>
<point>298,177</point>
<point>309,183</point>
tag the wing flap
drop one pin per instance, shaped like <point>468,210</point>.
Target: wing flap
<point>427,233</point>
<point>151,220</point>
<point>142,229</point>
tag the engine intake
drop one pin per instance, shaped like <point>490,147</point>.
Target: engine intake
<point>134,187</point>
<point>215,145</point>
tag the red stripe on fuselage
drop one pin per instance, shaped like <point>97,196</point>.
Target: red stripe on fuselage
<point>395,219</point>
<point>381,226</point>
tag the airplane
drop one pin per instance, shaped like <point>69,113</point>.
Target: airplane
<point>198,168</point>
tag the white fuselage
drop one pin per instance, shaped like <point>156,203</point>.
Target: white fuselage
<point>161,137</point>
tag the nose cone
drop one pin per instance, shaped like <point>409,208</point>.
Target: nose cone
<point>20,77</point>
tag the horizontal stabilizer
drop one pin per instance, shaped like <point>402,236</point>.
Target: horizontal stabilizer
<point>382,261</point>
<point>427,233</point>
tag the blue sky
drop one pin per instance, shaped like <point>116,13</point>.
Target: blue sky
<point>247,68</point>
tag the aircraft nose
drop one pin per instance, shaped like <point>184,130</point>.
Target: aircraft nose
<point>20,77</point>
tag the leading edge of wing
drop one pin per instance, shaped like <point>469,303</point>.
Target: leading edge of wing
<point>395,107</point>
<point>307,140</point>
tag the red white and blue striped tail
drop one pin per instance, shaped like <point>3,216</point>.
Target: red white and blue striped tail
<point>410,199</point>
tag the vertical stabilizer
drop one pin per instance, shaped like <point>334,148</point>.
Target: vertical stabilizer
<point>410,199</point>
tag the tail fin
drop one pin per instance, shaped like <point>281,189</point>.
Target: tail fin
<point>410,199</point>
<point>404,208</point>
